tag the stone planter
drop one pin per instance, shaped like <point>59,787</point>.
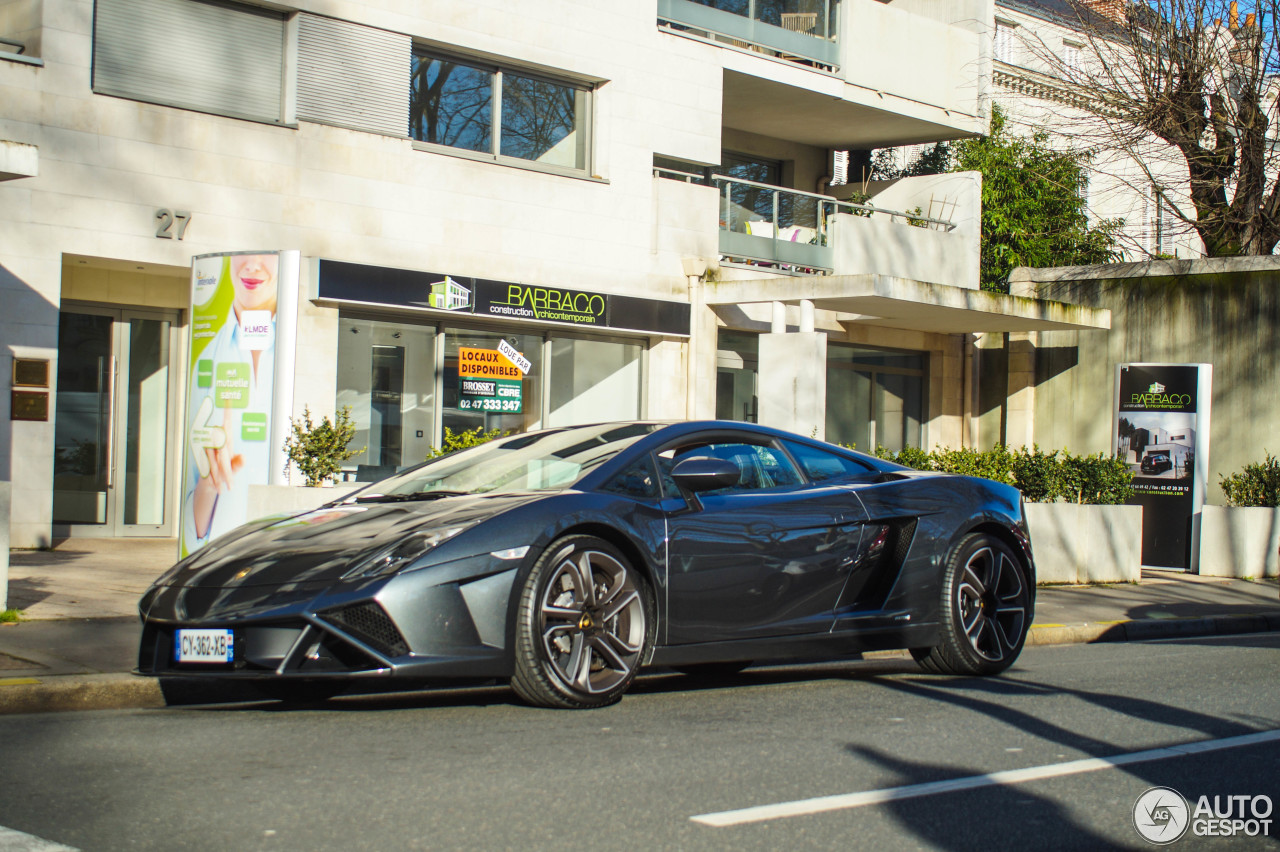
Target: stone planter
<point>290,500</point>
<point>1239,542</point>
<point>1086,544</point>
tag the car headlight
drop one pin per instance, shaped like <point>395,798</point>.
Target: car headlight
<point>391,559</point>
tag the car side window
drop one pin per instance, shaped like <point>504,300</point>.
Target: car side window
<point>820,465</point>
<point>635,480</point>
<point>760,467</point>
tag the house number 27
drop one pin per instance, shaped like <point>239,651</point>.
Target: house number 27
<point>172,224</point>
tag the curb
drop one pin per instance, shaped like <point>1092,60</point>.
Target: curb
<point>1151,628</point>
<point>79,692</point>
<point>61,693</point>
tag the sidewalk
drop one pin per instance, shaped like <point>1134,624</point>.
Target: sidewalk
<point>79,636</point>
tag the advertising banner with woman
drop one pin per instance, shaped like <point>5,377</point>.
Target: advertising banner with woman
<point>240,386</point>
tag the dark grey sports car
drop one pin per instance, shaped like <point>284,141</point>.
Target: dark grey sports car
<point>567,559</point>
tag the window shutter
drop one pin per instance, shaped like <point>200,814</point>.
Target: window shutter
<point>353,76</point>
<point>221,59</point>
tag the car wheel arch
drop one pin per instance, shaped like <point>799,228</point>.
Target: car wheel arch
<point>1006,537</point>
<point>613,536</point>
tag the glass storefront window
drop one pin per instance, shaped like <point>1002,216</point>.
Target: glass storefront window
<point>403,395</point>
<point>464,411</point>
<point>874,397</point>
<point>387,374</point>
<point>593,381</point>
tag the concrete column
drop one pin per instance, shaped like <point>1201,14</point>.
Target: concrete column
<point>779,320</point>
<point>792,383</point>
<point>700,364</point>
<point>806,316</point>
<point>1020,410</point>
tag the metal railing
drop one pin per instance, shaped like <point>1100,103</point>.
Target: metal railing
<point>760,222</point>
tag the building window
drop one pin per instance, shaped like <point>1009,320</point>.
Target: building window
<point>1002,45</point>
<point>387,374</point>
<point>407,382</point>
<point>875,397</point>
<point>499,113</point>
<point>218,58</point>
<point>593,380</point>
<point>1071,55</point>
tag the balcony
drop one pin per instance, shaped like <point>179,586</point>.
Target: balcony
<point>802,31</point>
<point>924,229</point>
<point>844,73</point>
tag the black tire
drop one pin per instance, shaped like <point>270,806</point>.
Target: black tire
<point>584,625</point>
<point>985,610</point>
<point>713,670</point>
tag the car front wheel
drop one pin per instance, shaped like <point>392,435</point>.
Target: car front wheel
<point>985,610</point>
<point>584,624</point>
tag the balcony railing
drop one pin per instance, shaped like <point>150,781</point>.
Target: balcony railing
<point>787,228</point>
<point>799,30</point>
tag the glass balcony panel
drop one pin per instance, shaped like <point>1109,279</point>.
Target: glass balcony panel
<point>799,30</point>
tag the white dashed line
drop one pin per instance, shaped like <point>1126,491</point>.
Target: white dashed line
<point>823,804</point>
<point>16,841</point>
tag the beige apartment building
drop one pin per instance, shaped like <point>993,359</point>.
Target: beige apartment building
<point>634,196</point>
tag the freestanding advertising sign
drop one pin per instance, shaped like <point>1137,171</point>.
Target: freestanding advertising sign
<point>1161,430</point>
<point>240,386</point>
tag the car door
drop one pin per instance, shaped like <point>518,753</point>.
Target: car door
<point>765,557</point>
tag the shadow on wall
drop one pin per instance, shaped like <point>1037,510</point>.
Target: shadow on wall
<point>28,329</point>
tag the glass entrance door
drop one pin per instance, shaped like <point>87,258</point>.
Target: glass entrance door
<point>113,429</point>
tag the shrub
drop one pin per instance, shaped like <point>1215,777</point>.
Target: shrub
<point>1096,479</point>
<point>1041,477</point>
<point>1257,485</point>
<point>318,450</point>
<point>462,440</point>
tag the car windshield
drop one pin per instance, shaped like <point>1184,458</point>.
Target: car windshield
<point>550,460</point>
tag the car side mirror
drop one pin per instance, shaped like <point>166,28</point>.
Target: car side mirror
<point>706,474</point>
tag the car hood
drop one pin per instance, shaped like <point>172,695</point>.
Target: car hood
<point>322,545</point>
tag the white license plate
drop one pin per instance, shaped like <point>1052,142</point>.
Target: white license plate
<point>204,646</point>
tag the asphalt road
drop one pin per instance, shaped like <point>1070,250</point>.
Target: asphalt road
<point>471,769</point>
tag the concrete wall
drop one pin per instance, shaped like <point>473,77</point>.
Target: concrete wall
<point>1085,544</point>
<point>917,58</point>
<point>892,246</point>
<point>1243,542</point>
<point>1224,312</point>
<point>4,544</point>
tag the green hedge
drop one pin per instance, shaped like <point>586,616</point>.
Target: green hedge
<point>1257,485</point>
<point>1041,477</point>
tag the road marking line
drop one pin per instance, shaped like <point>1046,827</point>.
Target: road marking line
<point>16,841</point>
<point>18,681</point>
<point>822,804</point>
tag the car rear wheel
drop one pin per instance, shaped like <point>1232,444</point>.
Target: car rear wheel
<point>986,609</point>
<point>584,624</point>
